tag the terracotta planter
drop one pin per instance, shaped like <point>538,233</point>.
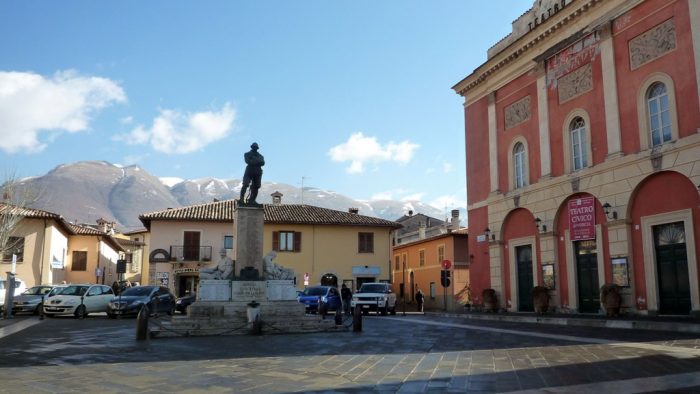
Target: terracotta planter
<point>490,300</point>
<point>540,299</point>
<point>611,299</point>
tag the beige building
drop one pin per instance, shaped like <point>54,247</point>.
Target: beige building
<point>40,242</point>
<point>92,256</point>
<point>321,245</point>
<point>135,245</point>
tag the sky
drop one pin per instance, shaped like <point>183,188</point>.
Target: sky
<point>349,96</point>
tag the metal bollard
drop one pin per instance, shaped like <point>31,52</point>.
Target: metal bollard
<point>338,317</point>
<point>256,329</point>
<point>142,324</point>
<point>357,320</point>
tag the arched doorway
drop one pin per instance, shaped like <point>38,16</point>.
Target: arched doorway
<point>521,259</point>
<point>329,280</point>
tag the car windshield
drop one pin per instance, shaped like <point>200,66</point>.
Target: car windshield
<point>37,290</point>
<point>75,290</point>
<point>137,291</point>
<point>372,288</point>
<point>315,291</point>
<point>56,290</point>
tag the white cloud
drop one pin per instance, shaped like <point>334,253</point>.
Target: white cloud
<point>413,197</point>
<point>447,167</point>
<point>448,201</point>
<point>176,132</point>
<point>360,150</point>
<point>31,103</point>
<point>387,195</point>
<point>127,120</point>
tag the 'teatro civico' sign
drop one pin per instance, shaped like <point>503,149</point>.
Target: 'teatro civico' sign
<point>582,218</point>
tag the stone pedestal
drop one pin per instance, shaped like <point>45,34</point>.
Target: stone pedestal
<point>248,234</point>
<point>280,290</point>
<point>248,290</point>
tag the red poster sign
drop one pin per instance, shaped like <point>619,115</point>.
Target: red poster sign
<point>582,218</point>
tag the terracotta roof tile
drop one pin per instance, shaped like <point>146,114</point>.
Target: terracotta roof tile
<point>222,211</point>
<point>27,212</point>
<point>84,230</point>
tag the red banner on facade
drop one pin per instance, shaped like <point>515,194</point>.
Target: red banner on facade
<point>582,218</point>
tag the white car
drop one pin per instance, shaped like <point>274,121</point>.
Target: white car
<point>79,300</point>
<point>20,288</point>
<point>374,297</point>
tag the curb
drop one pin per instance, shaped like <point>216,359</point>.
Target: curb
<point>572,321</point>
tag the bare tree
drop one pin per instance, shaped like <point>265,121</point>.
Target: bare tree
<point>13,208</point>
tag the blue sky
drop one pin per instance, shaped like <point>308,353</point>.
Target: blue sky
<point>355,96</point>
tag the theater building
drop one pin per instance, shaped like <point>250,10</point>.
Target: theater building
<point>583,157</point>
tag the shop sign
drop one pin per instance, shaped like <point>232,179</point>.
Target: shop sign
<point>178,271</point>
<point>582,218</point>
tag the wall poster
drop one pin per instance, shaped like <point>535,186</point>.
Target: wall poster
<point>548,280</point>
<point>620,271</point>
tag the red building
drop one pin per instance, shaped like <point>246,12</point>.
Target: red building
<point>583,156</point>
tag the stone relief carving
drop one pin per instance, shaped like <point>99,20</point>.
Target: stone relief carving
<point>518,112</point>
<point>652,44</point>
<point>575,83</point>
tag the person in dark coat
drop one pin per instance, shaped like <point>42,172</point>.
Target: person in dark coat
<point>419,299</point>
<point>346,295</point>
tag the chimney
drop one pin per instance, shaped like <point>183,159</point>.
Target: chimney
<point>276,198</point>
<point>354,211</point>
<point>455,220</point>
<point>410,212</point>
<point>102,225</point>
<point>421,230</point>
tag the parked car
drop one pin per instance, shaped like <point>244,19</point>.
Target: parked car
<point>20,287</point>
<point>183,302</point>
<point>321,299</point>
<point>157,299</point>
<point>79,300</point>
<point>374,297</point>
<point>31,300</point>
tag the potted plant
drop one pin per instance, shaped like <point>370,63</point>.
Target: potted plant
<point>540,299</point>
<point>490,300</point>
<point>611,298</point>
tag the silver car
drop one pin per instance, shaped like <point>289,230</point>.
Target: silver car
<point>31,300</point>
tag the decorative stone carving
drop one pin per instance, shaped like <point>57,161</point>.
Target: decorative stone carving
<point>518,112</point>
<point>273,271</point>
<point>575,83</point>
<point>652,44</point>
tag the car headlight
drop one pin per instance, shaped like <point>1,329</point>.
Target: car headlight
<point>180,301</point>
<point>324,299</point>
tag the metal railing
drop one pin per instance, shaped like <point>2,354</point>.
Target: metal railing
<point>190,253</point>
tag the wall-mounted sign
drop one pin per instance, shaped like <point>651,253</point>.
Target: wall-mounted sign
<point>481,238</point>
<point>582,218</point>
<point>548,276</point>
<point>186,270</point>
<point>620,271</point>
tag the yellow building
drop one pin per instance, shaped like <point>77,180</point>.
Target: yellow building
<point>92,256</point>
<point>323,246</point>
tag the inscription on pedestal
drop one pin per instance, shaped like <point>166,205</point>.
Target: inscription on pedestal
<point>248,290</point>
<point>278,290</point>
<point>214,290</point>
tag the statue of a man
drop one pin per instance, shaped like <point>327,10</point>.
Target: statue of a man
<point>223,270</point>
<point>253,173</point>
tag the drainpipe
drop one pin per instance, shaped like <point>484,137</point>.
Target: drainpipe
<point>41,261</point>
<point>99,248</point>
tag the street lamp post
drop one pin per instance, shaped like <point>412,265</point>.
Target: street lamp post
<point>404,288</point>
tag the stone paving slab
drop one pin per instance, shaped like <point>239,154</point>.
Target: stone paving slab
<point>393,354</point>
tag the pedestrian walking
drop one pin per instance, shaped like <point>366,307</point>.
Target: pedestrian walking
<point>346,295</point>
<point>419,300</point>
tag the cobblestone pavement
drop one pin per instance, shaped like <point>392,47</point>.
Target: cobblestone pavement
<point>408,354</point>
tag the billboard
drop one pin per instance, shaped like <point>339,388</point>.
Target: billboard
<point>582,218</point>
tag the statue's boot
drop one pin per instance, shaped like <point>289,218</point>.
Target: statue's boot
<point>243,190</point>
<point>253,195</point>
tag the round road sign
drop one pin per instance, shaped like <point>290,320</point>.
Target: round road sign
<point>446,264</point>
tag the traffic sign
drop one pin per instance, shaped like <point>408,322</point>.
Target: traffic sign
<point>446,264</point>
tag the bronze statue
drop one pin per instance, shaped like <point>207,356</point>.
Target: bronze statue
<point>253,173</point>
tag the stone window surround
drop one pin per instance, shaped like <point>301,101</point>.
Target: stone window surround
<point>650,274</point>
<point>421,257</point>
<point>566,133</point>
<point>511,163</point>
<point>512,265</point>
<point>643,109</point>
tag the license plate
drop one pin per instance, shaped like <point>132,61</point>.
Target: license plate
<point>365,306</point>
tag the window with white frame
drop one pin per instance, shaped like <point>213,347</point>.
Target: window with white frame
<point>579,145</point>
<point>228,241</point>
<point>659,114</point>
<point>519,172</point>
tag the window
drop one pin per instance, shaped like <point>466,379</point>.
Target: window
<point>659,114</point>
<point>519,165</point>
<point>286,241</point>
<point>421,257</point>
<point>404,259</point>
<point>15,245</point>
<point>441,253</point>
<point>228,242</point>
<point>365,243</point>
<point>579,145</point>
<point>397,263</point>
<point>79,261</point>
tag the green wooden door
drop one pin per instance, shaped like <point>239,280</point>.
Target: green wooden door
<point>672,269</point>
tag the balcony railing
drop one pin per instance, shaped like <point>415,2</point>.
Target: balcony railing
<point>190,253</point>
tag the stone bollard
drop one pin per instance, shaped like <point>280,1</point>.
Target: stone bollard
<point>357,320</point>
<point>142,324</point>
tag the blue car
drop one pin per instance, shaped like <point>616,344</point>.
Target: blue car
<point>327,297</point>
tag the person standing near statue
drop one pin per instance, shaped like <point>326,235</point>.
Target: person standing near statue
<point>253,174</point>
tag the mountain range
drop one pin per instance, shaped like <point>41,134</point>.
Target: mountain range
<point>85,191</point>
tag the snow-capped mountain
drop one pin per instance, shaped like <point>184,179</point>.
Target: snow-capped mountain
<point>86,191</point>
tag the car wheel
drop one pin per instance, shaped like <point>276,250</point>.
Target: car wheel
<point>322,309</point>
<point>38,309</point>
<point>365,312</point>
<point>111,315</point>
<point>393,310</point>
<point>81,312</point>
<point>171,311</point>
